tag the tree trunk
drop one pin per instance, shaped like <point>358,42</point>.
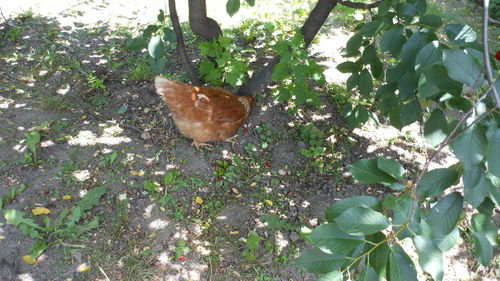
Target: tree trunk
<point>202,25</point>
<point>312,25</point>
<point>181,48</point>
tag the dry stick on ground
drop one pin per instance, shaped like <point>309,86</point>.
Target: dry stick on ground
<point>486,51</point>
<point>181,48</point>
<point>87,111</point>
<point>311,26</point>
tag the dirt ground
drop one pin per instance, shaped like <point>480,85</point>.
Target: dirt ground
<point>122,137</point>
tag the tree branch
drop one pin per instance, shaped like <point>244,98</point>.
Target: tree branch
<point>357,5</point>
<point>486,52</point>
<point>311,26</point>
<point>202,25</point>
<point>181,48</point>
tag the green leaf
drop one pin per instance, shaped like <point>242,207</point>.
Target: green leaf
<point>486,207</point>
<point>365,82</point>
<point>354,43</point>
<point>393,39</point>
<point>359,115</point>
<point>377,69</point>
<point>431,21</point>
<point>349,67</point>
<point>401,267</point>
<point>369,54</point>
<point>137,44</point>
<point>482,223</point>
<point>493,153</point>
<point>379,257</point>
<point>428,55</point>
<point>407,11</point>
<point>38,248</point>
<point>332,276</point>
<point>367,171</point>
<point>436,181</point>
<point>402,207</point>
<point>460,34</point>
<point>91,199</point>
<point>319,262</point>
<point>354,201</point>
<point>411,48</point>
<point>443,217</point>
<point>150,29</point>
<point>156,49</point>
<point>436,128</point>
<point>169,36</point>
<point>362,221</point>
<point>352,81</point>
<point>462,67</point>
<point>410,113</point>
<point>280,72</point>
<point>407,85</point>
<point>370,29</point>
<point>476,186</point>
<point>391,167</point>
<point>482,250</point>
<point>253,241</point>
<point>470,148</point>
<point>429,256</point>
<point>251,2</point>
<point>26,226</point>
<point>330,239</point>
<point>367,274</point>
<point>232,7</point>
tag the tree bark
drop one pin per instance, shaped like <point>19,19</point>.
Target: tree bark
<point>202,25</point>
<point>181,48</point>
<point>311,26</point>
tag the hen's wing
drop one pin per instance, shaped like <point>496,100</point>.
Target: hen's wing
<point>222,106</point>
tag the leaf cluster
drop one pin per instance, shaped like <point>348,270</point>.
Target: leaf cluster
<point>155,38</point>
<point>296,71</point>
<point>221,64</point>
<point>70,224</point>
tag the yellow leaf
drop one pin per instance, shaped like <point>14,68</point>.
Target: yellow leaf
<point>135,173</point>
<point>29,260</point>
<point>238,196</point>
<point>2,237</point>
<point>234,232</point>
<point>40,211</point>
<point>198,200</point>
<point>84,117</point>
<point>66,197</point>
<point>163,209</point>
<point>253,184</point>
<point>83,267</point>
<point>269,202</point>
<point>235,191</point>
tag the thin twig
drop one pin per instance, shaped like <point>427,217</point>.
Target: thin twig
<point>494,21</point>
<point>357,5</point>
<point>486,51</point>
<point>4,18</point>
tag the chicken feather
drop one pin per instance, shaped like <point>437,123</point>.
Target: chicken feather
<point>204,114</point>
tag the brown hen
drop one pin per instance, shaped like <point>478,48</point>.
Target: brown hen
<point>203,114</point>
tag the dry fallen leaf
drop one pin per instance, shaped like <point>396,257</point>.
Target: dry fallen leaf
<point>83,267</point>
<point>66,197</point>
<point>198,200</point>
<point>29,260</point>
<point>234,232</point>
<point>40,211</point>
<point>135,173</point>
